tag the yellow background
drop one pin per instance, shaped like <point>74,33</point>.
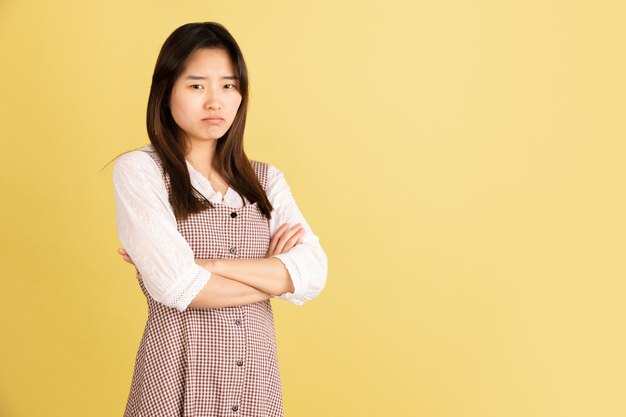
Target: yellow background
<point>461,161</point>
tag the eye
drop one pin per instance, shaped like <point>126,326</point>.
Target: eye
<point>230,88</point>
<point>194,85</point>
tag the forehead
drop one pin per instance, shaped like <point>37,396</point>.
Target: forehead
<point>207,61</point>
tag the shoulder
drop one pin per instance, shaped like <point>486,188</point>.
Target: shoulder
<point>259,164</point>
<point>137,162</point>
<point>136,159</point>
<point>269,171</point>
<point>277,187</point>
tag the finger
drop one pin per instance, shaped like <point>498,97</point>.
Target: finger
<point>285,238</point>
<point>274,240</point>
<point>126,258</point>
<point>281,239</point>
<point>280,246</point>
<point>294,240</point>
<point>125,255</point>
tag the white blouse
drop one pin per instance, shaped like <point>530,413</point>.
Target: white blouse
<point>147,229</point>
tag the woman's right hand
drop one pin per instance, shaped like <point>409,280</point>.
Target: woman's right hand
<point>285,238</point>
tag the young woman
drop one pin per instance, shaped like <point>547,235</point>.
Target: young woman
<point>213,237</point>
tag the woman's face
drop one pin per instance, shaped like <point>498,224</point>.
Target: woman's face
<point>205,97</point>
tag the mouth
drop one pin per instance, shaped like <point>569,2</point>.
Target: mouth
<point>213,120</point>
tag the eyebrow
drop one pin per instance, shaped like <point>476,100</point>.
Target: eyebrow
<point>199,77</point>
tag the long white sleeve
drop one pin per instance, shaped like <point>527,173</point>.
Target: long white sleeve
<point>147,229</point>
<point>306,262</point>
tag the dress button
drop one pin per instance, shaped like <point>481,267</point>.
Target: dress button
<point>238,322</point>
<point>239,363</point>
<point>233,214</point>
<point>235,407</point>
<point>233,250</point>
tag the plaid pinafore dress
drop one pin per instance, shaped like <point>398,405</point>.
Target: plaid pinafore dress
<point>211,362</point>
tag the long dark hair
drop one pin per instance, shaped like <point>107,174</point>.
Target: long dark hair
<point>229,159</point>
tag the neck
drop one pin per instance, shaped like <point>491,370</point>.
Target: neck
<point>200,154</point>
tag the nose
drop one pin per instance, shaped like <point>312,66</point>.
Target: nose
<point>212,100</point>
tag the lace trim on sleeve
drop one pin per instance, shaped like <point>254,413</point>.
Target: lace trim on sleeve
<point>184,296</point>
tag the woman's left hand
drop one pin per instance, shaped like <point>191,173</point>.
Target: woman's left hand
<point>127,258</point>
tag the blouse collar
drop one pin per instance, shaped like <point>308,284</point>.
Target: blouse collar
<point>202,184</point>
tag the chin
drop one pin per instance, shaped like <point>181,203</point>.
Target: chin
<point>212,136</point>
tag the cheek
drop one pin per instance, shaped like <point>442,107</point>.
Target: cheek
<point>236,103</point>
<point>174,104</point>
<point>182,97</point>
<point>176,110</point>
<point>181,107</point>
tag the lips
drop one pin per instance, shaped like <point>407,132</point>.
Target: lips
<point>213,120</point>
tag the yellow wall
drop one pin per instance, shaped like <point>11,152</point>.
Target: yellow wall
<point>461,161</point>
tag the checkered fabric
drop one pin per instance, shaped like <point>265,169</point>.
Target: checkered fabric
<point>211,362</point>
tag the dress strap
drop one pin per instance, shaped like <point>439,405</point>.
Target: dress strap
<point>261,168</point>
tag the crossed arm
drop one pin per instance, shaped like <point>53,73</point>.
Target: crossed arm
<point>236,282</point>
